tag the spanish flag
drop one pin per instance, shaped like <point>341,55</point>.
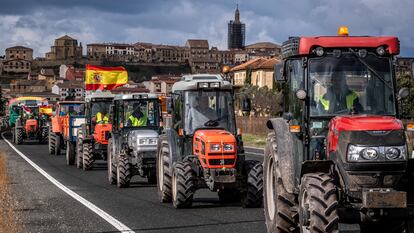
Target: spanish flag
<point>105,78</point>
<point>46,109</point>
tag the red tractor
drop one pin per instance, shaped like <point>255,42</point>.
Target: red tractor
<point>31,124</point>
<point>339,153</point>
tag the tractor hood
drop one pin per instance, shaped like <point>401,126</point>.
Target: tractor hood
<point>365,124</point>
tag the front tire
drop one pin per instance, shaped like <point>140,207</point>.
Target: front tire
<point>19,136</point>
<point>163,175</point>
<point>57,144</point>
<point>87,156</point>
<point>70,153</point>
<point>183,187</point>
<point>279,205</point>
<point>123,173</point>
<point>318,204</point>
<point>253,197</point>
<point>79,150</point>
<point>52,142</point>
<point>110,164</point>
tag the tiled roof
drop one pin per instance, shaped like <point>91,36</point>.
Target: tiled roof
<point>255,64</point>
<point>65,37</point>
<point>25,82</point>
<point>197,43</point>
<point>265,45</point>
<point>71,84</point>
<point>19,47</point>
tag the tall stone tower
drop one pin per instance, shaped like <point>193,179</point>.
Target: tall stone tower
<point>236,32</point>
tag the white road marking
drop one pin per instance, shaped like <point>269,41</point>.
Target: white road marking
<point>111,220</point>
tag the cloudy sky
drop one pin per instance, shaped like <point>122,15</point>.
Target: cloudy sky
<point>36,23</point>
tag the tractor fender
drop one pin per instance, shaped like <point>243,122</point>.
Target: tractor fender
<point>284,152</point>
<point>172,137</point>
<point>314,166</point>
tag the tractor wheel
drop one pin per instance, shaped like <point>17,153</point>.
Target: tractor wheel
<point>183,186</point>
<point>87,156</point>
<point>279,205</point>
<point>228,195</point>
<point>152,176</point>
<point>14,135</point>
<point>70,153</point>
<point>163,175</point>
<point>79,150</point>
<point>43,135</point>
<point>253,195</point>
<point>19,136</point>
<point>123,173</point>
<point>111,165</point>
<point>318,204</point>
<point>52,142</point>
<point>57,144</point>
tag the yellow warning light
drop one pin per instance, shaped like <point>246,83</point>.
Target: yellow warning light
<point>343,31</point>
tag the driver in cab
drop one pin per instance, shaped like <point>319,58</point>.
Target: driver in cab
<point>200,112</point>
<point>339,97</point>
<point>137,118</point>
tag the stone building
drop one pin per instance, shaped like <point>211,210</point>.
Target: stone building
<point>69,89</point>
<point>25,86</point>
<point>161,84</point>
<point>65,48</point>
<point>259,71</point>
<point>18,60</point>
<point>236,32</point>
<point>154,53</point>
<point>112,51</point>
<point>19,53</point>
<point>200,59</point>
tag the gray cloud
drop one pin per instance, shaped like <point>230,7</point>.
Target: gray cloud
<point>38,23</point>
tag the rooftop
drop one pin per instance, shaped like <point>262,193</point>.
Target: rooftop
<point>65,37</point>
<point>263,45</point>
<point>256,64</point>
<point>197,43</point>
<point>19,48</point>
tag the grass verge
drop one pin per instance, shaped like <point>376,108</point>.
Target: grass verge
<point>8,218</point>
<point>252,140</point>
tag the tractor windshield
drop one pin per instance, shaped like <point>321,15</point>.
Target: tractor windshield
<point>209,109</point>
<point>100,112</point>
<point>141,113</point>
<point>348,84</point>
<point>71,109</point>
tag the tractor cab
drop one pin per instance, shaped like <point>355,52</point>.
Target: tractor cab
<point>339,134</point>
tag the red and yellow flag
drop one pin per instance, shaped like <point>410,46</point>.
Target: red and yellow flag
<point>105,78</point>
<point>47,110</point>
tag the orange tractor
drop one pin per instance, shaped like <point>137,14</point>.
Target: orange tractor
<point>92,137</point>
<point>30,124</point>
<point>64,110</point>
<point>202,148</point>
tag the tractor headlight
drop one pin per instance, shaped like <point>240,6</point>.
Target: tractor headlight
<point>396,153</point>
<point>148,141</point>
<point>228,147</point>
<point>215,147</point>
<point>380,153</point>
<point>369,153</point>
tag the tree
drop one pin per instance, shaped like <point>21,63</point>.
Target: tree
<point>3,103</point>
<point>406,105</point>
<point>264,101</point>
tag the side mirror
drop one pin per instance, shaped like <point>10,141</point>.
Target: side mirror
<point>246,105</point>
<point>403,93</point>
<point>279,74</point>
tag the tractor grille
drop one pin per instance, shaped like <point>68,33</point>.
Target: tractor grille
<point>217,162</point>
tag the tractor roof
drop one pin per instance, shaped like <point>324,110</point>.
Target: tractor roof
<point>136,96</point>
<point>304,45</point>
<point>191,82</point>
<point>99,95</point>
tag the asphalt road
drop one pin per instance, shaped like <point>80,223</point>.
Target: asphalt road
<point>46,208</point>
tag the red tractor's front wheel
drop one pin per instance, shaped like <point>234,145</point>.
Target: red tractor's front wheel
<point>183,185</point>
<point>253,196</point>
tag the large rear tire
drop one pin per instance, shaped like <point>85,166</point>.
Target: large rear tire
<point>43,135</point>
<point>318,204</point>
<point>183,186</point>
<point>70,153</point>
<point>79,150</point>
<point>87,156</point>
<point>123,173</point>
<point>57,144</point>
<point>19,136</point>
<point>110,164</point>
<point>163,175</point>
<point>279,205</point>
<point>52,142</point>
<point>253,196</point>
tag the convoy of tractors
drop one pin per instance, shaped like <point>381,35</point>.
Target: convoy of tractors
<point>337,154</point>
